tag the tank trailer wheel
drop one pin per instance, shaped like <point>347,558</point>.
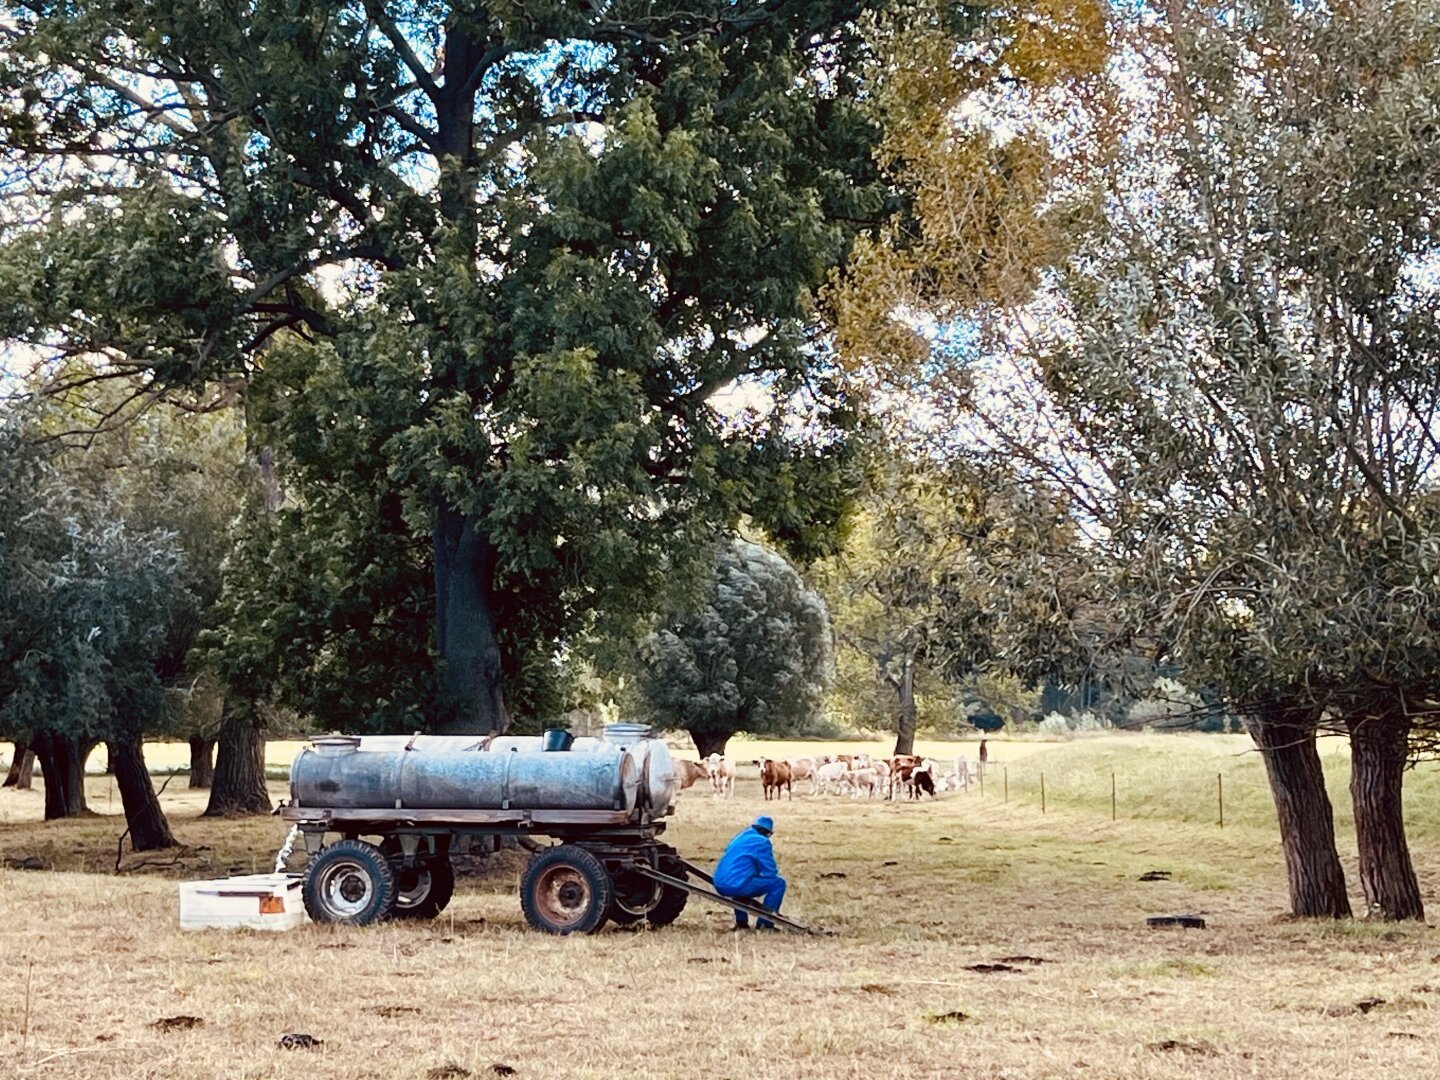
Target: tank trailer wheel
<point>349,882</point>
<point>672,900</point>
<point>635,897</point>
<point>424,890</point>
<point>566,890</point>
<point>638,897</point>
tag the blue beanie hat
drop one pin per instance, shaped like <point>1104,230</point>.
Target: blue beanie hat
<point>764,825</point>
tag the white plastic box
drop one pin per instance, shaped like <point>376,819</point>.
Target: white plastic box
<point>255,901</point>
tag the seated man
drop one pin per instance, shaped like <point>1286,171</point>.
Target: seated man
<point>747,870</point>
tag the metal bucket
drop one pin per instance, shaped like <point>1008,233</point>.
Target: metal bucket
<point>557,739</point>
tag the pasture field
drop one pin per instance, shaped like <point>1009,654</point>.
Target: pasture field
<point>973,936</point>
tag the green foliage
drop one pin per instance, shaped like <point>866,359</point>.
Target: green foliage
<point>753,656</point>
<point>862,700</point>
<point>1226,375</point>
<point>905,539</point>
<point>1247,353</point>
<point>485,261</point>
<point>954,576</point>
<point>86,601</point>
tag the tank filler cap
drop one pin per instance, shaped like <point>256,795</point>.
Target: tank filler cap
<point>334,745</point>
<point>622,735</point>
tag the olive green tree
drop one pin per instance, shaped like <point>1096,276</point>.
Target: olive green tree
<point>750,653</point>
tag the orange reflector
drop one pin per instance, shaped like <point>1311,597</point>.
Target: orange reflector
<point>272,905</point>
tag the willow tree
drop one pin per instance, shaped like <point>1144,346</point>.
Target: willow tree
<point>484,265</point>
<point>1228,368</point>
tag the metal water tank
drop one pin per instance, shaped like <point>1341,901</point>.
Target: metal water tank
<point>342,772</point>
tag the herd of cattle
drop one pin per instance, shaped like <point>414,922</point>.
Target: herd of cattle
<point>856,775</point>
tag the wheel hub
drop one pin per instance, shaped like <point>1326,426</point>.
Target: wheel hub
<point>563,894</point>
<point>347,888</point>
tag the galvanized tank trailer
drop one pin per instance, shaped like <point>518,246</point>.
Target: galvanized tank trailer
<point>392,807</point>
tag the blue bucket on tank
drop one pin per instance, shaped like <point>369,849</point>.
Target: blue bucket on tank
<point>557,739</point>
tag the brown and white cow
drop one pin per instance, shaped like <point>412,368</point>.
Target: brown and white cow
<point>901,766</point>
<point>866,781</point>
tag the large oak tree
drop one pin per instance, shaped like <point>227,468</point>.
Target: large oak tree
<point>479,270</point>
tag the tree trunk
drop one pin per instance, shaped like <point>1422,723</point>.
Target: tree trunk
<point>710,742</point>
<point>22,768</point>
<point>1286,738</point>
<point>62,765</point>
<point>202,762</point>
<point>149,831</point>
<point>466,624</point>
<point>905,731</point>
<point>238,784</point>
<point>1379,746</point>
<point>466,631</point>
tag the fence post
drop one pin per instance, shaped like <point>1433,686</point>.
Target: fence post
<point>1220,796</point>
<point>1006,778</point>
<point>1042,793</point>
<point>1112,795</point>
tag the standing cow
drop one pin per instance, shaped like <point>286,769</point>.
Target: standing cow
<point>689,772</point>
<point>722,774</point>
<point>775,775</point>
<point>803,769</point>
<point>832,773</point>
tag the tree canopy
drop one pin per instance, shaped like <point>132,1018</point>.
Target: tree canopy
<point>90,602</point>
<point>478,271</point>
<point>753,655</point>
<point>1227,370</point>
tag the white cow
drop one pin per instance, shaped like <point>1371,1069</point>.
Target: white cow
<point>882,770</point>
<point>831,773</point>
<point>722,774</point>
<point>962,773</point>
<point>804,769</point>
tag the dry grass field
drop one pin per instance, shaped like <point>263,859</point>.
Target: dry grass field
<point>972,936</point>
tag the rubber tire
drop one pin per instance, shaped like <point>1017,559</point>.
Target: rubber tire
<point>672,900</point>
<point>619,916</point>
<point>371,862</point>
<point>442,888</point>
<point>597,881</point>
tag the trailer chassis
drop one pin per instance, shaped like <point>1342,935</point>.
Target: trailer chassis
<point>605,866</point>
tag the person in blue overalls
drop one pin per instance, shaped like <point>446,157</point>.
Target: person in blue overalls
<point>747,870</point>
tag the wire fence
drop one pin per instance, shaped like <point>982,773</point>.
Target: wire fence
<point>1114,793</point>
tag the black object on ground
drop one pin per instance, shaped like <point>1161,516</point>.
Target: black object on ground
<point>298,1040</point>
<point>1189,922</point>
